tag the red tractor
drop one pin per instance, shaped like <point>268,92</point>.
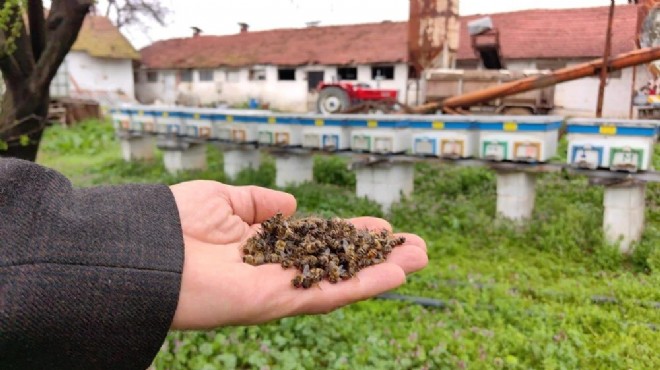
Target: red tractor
<point>346,97</point>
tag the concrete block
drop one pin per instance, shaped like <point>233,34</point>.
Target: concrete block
<point>138,148</point>
<point>624,215</point>
<point>515,195</point>
<point>236,161</point>
<point>625,196</point>
<point>293,169</point>
<point>385,183</point>
<point>516,184</point>
<point>191,158</point>
<point>515,208</point>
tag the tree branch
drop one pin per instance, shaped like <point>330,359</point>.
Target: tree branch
<point>37,21</point>
<point>63,24</point>
<point>18,64</point>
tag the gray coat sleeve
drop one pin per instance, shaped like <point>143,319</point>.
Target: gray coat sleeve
<point>89,278</point>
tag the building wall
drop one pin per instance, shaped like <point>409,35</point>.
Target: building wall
<point>234,86</point>
<point>87,73</point>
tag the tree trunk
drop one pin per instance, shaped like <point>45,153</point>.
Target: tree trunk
<point>27,114</point>
<point>29,69</point>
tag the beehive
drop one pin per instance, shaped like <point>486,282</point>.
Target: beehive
<point>169,121</point>
<point>616,144</point>
<point>381,134</point>
<point>121,119</point>
<point>518,138</point>
<point>444,136</point>
<point>279,130</point>
<point>198,123</point>
<point>325,133</point>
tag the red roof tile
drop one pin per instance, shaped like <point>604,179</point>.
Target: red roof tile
<point>557,33</point>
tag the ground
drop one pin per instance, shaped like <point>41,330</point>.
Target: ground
<point>548,295</point>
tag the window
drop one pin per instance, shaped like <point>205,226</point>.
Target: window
<point>347,73</point>
<point>382,72</point>
<point>186,75</point>
<point>206,75</point>
<point>286,74</point>
<point>257,74</point>
<point>152,76</point>
<point>233,75</point>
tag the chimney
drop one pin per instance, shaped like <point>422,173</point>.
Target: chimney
<point>312,24</point>
<point>244,27</point>
<point>196,31</point>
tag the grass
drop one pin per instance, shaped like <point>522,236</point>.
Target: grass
<point>529,297</point>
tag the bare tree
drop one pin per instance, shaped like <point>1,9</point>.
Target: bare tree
<point>32,48</point>
<point>132,12</point>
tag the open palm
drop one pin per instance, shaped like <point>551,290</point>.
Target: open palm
<point>219,289</point>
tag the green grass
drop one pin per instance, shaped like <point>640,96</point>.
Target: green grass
<point>516,297</point>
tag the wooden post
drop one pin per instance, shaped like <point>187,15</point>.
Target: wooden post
<point>605,67</point>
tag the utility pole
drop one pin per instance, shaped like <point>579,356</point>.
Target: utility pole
<point>605,66</point>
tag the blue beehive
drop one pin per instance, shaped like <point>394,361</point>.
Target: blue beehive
<point>518,138</point>
<point>616,144</point>
<point>444,136</point>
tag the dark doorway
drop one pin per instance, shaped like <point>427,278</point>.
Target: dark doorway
<point>313,79</point>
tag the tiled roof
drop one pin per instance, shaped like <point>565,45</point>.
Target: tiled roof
<point>101,39</point>
<point>557,33</point>
<point>363,43</point>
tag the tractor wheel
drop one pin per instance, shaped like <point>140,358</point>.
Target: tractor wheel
<point>332,100</point>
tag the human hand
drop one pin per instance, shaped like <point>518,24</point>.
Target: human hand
<point>219,289</point>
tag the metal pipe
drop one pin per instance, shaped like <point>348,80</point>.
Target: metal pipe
<point>606,56</point>
<point>621,61</point>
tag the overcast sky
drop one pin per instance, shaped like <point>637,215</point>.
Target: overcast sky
<point>220,17</point>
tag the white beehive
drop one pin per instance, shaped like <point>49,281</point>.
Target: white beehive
<point>198,122</point>
<point>169,121</point>
<point>380,134</point>
<point>444,136</point>
<point>620,145</point>
<point>325,133</point>
<point>143,119</point>
<point>121,119</point>
<point>518,138</point>
<point>280,130</point>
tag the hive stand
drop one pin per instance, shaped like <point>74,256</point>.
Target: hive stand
<point>384,182</point>
<point>624,214</point>
<point>238,158</point>
<point>293,168</point>
<point>515,195</point>
<point>137,147</point>
<point>182,155</point>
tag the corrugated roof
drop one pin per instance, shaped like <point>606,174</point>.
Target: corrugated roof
<point>528,34</point>
<point>100,38</point>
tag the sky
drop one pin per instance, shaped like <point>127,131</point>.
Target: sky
<point>221,17</point>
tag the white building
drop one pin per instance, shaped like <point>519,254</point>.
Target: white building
<point>99,65</point>
<point>282,67</point>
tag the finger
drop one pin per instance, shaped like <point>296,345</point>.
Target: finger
<point>412,239</point>
<point>371,223</point>
<point>254,204</point>
<point>409,257</point>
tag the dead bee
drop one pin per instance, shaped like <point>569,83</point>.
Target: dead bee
<point>275,258</point>
<point>249,259</point>
<point>297,281</point>
<point>259,258</point>
<point>280,245</point>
